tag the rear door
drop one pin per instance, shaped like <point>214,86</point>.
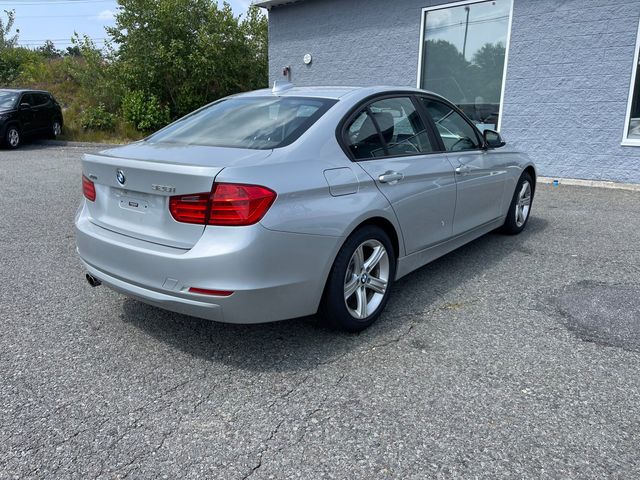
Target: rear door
<point>480,174</point>
<point>41,111</point>
<point>390,141</point>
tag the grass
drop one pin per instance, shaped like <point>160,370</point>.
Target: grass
<point>122,132</point>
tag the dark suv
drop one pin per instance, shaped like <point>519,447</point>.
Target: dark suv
<point>26,113</point>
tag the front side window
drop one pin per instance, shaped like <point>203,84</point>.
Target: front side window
<point>389,127</point>
<point>463,57</point>
<point>456,133</point>
<point>258,123</point>
<point>27,98</point>
<point>8,99</point>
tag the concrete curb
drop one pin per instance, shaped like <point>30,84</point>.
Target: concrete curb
<point>634,187</point>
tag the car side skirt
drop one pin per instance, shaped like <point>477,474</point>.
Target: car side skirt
<point>416,260</point>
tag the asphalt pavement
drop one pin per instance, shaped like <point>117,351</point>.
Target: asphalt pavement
<point>513,357</point>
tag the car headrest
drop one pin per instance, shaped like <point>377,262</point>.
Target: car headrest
<point>368,132</point>
<point>386,124</point>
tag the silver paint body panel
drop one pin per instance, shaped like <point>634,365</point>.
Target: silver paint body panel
<point>278,268</point>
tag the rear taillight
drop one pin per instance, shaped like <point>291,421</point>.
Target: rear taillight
<point>228,204</point>
<point>190,208</point>
<point>233,204</point>
<point>88,189</point>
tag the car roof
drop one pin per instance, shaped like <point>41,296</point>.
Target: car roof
<point>22,90</point>
<point>333,92</point>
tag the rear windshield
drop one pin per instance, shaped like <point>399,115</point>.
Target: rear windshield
<point>8,99</point>
<point>258,123</point>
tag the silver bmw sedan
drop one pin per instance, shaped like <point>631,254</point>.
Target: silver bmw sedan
<point>282,203</point>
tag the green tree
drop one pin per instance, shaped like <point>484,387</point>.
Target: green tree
<point>98,77</point>
<point>49,50</point>
<point>6,39</point>
<point>447,70</point>
<point>73,51</point>
<point>187,53</point>
<point>488,68</point>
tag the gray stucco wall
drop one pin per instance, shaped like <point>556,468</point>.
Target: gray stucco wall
<point>569,70</point>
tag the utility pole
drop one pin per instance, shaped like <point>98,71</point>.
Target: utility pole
<point>466,31</point>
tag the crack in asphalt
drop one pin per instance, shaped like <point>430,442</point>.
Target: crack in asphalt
<point>264,448</point>
<point>135,424</point>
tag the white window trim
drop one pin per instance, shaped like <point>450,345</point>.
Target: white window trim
<point>506,54</point>
<point>626,141</point>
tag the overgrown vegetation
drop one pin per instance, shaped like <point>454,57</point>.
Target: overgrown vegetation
<point>164,59</point>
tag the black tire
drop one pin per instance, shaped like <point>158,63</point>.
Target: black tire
<point>334,308</point>
<point>513,224</point>
<point>12,137</point>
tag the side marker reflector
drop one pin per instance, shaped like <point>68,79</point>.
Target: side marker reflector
<point>214,293</point>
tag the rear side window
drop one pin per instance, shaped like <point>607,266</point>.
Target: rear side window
<point>39,99</point>
<point>363,139</point>
<point>456,133</point>
<point>387,128</point>
<point>258,123</point>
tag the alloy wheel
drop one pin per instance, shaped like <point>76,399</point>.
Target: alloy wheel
<point>367,279</point>
<point>523,205</point>
<point>13,137</point>
<point>57,129</point>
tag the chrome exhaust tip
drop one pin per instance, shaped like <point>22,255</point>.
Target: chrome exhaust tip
<point>93,281</point>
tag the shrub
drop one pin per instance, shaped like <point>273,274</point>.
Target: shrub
<point>143,111</point>
<point>15,61</point>
<point>97,118</point>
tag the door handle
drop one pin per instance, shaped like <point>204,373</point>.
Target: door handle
<point>462,170</point>
<point>390,177</point>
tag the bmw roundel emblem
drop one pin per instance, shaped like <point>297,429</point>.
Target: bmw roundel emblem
<point>120,177</point>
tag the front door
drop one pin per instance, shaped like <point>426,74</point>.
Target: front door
<point>480,174</point>
<point>389,141</point>
<point>25,113</point>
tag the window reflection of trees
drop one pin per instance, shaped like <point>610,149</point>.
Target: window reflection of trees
<point>474,85</point>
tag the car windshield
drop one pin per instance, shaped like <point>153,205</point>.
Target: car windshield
<point>258,123</point>
<point>8,99</point>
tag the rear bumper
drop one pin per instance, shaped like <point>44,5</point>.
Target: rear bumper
<point>274,275</point>
<point>210,311</point>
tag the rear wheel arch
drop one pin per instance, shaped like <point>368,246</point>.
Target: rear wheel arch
<point>337,305</point>
<point>378,221</point>
<point>388,228</point>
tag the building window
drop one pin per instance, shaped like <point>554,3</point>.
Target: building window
<point>632,125</point>
<point>463,56</point>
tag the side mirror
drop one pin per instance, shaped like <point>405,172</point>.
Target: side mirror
<point>24,105</point>
<point>493,139</point>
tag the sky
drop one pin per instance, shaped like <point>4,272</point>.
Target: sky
<point>57,20</point>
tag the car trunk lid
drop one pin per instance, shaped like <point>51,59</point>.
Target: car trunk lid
<point>133,185</point>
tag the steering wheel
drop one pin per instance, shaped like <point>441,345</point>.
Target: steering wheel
<point>463,139</point>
